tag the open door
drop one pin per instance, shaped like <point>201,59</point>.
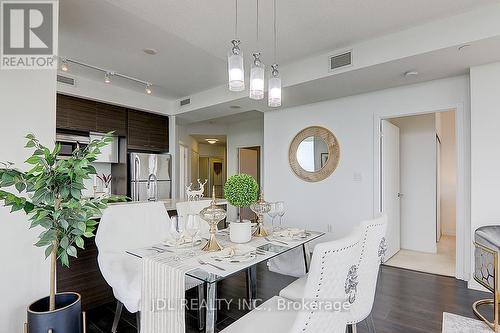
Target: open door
<point>391,195</point>
<point>249,163</point>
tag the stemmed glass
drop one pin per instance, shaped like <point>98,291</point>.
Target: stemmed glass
<point>280,208</point>
<point>192,228</point>
<point>176,234</point>
<point>272,213</point>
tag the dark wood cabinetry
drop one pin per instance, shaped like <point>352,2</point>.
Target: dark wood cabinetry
<point>84,277</point>
<point>147,131</point>
<point>111,118</point>
<point>75,114</point>
<point>144,131</point>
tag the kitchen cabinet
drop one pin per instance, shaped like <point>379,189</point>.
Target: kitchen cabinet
<point>75,114</point>
<point>147,131</point>
<point>78,114</point>
<point>111,118</point>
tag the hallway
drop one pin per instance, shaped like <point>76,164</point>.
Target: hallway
<point>442,263</point>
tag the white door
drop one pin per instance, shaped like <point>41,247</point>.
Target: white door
<point>438,189</point>
<point>183,171</point>
<point>391,186</point>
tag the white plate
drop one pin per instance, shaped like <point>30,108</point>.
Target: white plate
<point>296,237</point>
<point>234,259</point>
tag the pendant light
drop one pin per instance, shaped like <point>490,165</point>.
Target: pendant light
<point>257,70</point>
<point>236,70</point>
<point>274,93</point>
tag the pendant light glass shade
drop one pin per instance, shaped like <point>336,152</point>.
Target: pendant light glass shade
<point>235,67</point>
<point>274,93</point>
<point>257,72</point>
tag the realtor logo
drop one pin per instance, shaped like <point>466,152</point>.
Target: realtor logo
<point>28,38</point>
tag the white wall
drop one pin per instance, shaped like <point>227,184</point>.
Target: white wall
<point>113,94</point>
<point>27,104</point>
<point>485,138</point>
<point>343,200</point>
<point>418,182</point>
<point>448,177</point>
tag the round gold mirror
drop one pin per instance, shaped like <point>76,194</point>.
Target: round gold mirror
<point>314,154</point>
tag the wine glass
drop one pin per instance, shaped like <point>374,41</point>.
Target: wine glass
<point>280,208</point>
<point>272,213</point>
<point>192,228</point>
<point>176,234</point>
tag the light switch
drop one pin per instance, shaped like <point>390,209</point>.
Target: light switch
<point>357,177</point>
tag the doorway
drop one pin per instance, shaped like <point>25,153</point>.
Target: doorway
<point>418,191</point>
<point>249,160</point>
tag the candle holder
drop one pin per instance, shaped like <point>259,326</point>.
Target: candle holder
<point>260,208</point>
<point>213,214</point>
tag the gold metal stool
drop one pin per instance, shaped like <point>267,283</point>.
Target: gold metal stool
<point>486,272</point>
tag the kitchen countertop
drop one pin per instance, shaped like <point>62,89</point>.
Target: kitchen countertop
<point>169,203</point>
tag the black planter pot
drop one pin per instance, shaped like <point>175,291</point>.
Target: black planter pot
<point>66,318</point>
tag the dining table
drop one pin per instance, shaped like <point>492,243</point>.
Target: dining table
<point>210,270</point>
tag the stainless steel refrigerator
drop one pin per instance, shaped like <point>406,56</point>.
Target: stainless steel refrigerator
<point>150,176</point>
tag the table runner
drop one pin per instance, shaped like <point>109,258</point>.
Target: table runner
<point>163,294</point>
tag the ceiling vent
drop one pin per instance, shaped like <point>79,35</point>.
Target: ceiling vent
<point>185,101</point>
<point>340,60</point>
<point>66,80</point>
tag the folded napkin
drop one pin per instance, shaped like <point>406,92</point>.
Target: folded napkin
<point>182,241</point>
<point>232,251</point>
<point>289,233</point>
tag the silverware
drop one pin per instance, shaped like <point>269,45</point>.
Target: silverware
<point>275,240</point>
<point>207,263</point>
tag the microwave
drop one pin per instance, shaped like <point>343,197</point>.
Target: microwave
<point>69,143</point>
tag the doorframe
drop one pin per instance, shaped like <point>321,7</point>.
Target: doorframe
<point>187,175</point>
<point>261,166</point>
<point>462,133</point>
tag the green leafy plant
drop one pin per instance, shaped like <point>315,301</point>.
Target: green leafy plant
<point>241,190</point>
<point>50,193</point>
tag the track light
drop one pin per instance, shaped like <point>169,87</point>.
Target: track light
<point>64,65</point>
<point>108,74</point>
<point>107,77</point>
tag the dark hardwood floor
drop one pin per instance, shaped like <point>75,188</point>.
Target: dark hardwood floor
<point>406,301</point>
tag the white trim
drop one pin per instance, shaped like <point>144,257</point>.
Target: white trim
<point>463,226</point>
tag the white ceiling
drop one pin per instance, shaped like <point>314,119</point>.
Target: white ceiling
<point>193,36</point>
<point>383,76</point>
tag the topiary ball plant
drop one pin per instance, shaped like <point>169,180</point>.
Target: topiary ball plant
<point>241,190</point>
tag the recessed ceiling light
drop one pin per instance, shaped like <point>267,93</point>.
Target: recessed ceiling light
<point>212,141</point>
<point>150,51</point>
<point>235,107</point>
<point>411,74</point>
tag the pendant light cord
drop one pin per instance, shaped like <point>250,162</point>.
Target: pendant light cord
<point>275,33</point>
<point>257,27</point>
<point>236,20</point>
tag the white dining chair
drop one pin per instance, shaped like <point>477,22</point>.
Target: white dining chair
<point>125,227</point>
<point>373,249</point>
<point>332,278</point>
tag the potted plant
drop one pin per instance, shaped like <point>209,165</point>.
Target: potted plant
<point>106,182</point>
<point>241,191</point>
<point>50,193</point>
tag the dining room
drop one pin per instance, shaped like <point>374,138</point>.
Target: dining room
<point>223,166</point>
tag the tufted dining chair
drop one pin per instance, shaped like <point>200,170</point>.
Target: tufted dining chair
<point>125,227</point>
<point>332,279</point>
<point>372,251</point>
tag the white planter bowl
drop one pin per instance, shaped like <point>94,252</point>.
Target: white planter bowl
<point>240,232</point>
